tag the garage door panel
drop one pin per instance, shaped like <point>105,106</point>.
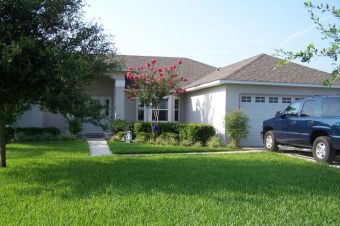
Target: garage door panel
<point>258,112</point>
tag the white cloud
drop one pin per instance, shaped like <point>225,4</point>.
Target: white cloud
<point>300,33</point>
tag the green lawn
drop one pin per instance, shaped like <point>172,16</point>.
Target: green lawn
<point>57,183</point>
<point>138,148</point>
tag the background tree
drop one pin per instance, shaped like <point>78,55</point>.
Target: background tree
<point>47,55</point>
<point>330,32</point>
<point>151,83</point>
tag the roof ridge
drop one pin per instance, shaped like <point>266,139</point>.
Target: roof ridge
<point>168,57</point>
<point>244,66</point>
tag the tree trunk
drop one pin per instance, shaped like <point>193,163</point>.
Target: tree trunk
<point>2,145</point>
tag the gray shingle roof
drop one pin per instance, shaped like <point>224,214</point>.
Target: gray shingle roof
<point>260,68</point>
<point>191,69</point>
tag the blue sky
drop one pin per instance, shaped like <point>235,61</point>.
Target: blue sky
<point>216,32</point>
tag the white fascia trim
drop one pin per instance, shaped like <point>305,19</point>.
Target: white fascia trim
<point>219,82</point>
<point>205,85</point>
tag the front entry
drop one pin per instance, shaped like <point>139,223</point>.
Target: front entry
<point>91,129</point>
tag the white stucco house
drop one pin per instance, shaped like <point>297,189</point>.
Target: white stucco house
<point>251,85</point>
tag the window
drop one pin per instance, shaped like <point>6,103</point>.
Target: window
<point>286,100</point>
<point>176,110</point>
<point>246,99</point>
<point>163,111</point>
<point>273,100</point>
<point>309,108</point>
<point>107,107</point>
<point>260,99</point>
<point>293,109</point>
<point>298,98</point>
<point>140,113</point>
<point>331,106</point>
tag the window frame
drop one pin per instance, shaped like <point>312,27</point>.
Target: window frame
<point>275,100</point>
<point>178,109</point>
<point>247,99</point>
<point>260,99</point>
<point>284,100</point>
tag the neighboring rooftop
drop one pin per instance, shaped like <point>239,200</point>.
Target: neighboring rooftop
<point>261,68</point>
<point>191,69</point>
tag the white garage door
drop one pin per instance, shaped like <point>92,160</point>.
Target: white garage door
<point>259,108</point>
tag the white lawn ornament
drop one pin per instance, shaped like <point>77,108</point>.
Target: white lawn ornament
<point>128,137</point>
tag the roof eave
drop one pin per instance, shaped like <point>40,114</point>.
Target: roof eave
<point>220,82</point>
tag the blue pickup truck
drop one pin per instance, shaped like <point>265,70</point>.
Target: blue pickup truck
<point>310,123</point>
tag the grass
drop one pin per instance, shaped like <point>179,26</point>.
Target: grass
<point>57,183</point>
<point>138,148</point>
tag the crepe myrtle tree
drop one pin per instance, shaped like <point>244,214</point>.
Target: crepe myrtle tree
<point>330,32</point>
<point>48,54</point>
<point>151,83</point>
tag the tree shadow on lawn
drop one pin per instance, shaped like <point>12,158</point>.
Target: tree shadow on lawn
<point>251,174</point>
<point>45,149</point>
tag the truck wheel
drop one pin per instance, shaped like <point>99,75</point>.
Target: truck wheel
<point>270,141</point>
<point>323,150</point>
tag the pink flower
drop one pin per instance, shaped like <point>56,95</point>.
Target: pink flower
<point>183,90</point>
<point>172,67</point>
<point>184,80</point>
<point>160,74</point>
<point>129,68</point>
<point>177,91</point>
<point>148,65</point>
<point>153,61</point>
<point>179,61</point>
<point>160,69</point>
<point>128,75</point>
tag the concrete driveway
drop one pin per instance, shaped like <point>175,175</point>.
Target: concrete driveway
<point>305,154</point>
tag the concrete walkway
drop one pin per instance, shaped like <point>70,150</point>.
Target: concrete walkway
<point>98,147</point>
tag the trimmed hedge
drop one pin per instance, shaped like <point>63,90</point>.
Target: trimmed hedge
<point>145,127</point>
<point>30,131</point>
<point>195,132</point>
<point>190,132</point>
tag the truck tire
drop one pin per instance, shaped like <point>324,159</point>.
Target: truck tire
<point>323,150</point>
<point>270,142</point>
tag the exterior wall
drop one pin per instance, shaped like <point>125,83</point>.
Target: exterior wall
<point>101,87</point>
<point>55,120</point>
<point>32,118</point>
<point>207,106</point>
<point>130,110</point>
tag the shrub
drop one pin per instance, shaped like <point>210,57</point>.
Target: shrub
<point>236,124</point>
<point>141,127</point>
<point>214,142</point>
<point>167,127</point>
<point>37,130</point>
<point>167,139</point>
<point>119,125</point>
<point>194,132</point>
<point>23,137</point>
<point>118,136</point>
<point>143,137</point>
<point>186,143</point>
<point>74,126</point>
<point>187,133</point>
